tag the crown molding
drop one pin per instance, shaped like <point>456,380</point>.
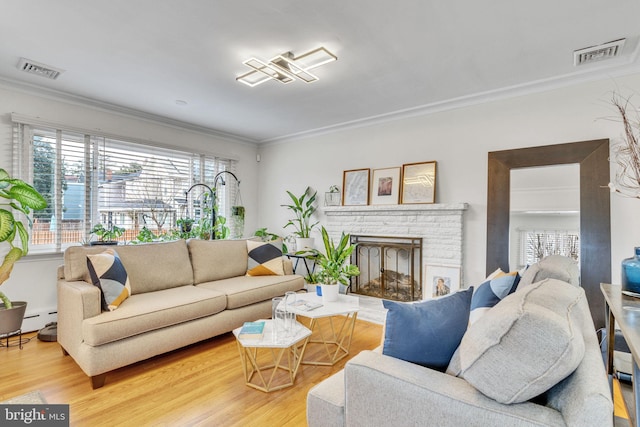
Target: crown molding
<point>120,110</point>
<point>595,72</point>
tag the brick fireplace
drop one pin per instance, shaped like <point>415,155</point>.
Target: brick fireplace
<point>439,226</point>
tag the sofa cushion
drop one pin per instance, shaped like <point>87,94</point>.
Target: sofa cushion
<point>427,332</point>
<point>75,262</point>
<point>217,259</point>
<point>109,275</point>
<point>151,267</point>
<point>552,267</point>
<point>150,311</point>
<point>491,292</point>
<point>265,258</point>
<point>526,344</point>
<point>157,266</point>
<point>245,290</point>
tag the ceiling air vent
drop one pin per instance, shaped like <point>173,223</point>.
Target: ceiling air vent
<point>598,53</point>
<point>32,67</point>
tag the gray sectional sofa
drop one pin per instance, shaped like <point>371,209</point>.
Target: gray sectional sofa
<point>538,333</point>
<point>182,292</point>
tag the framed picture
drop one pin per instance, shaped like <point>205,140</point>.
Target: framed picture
<point>441,280</point>
<point>385,188</point>
<point>356,187</point>
<point>419,182</point>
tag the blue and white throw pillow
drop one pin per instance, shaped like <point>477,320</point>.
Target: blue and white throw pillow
<point>109,275</point>
<point>491,292</point>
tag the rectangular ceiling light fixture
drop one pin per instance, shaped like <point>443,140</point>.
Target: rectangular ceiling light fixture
<point>286,67</point>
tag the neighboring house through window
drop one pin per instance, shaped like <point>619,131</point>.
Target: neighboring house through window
<point>89,179</point>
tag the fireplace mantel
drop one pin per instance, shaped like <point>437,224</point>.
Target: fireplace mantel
<point>435,207</point>
<point>439,225</point>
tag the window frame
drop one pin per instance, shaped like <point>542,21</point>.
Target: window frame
<point>26,129</point>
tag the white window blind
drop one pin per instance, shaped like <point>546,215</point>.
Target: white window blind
<point>89,179</point>
<point>537,244</point>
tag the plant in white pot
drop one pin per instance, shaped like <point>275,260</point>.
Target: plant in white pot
<point>21,197</point>
<point>303,207</point>
<point>333,265</point>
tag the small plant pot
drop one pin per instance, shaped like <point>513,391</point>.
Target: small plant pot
<point>304,244</point>
<point>11,319</point>
<point>330,293</point>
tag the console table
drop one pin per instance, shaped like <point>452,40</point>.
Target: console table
<point>624,311</point>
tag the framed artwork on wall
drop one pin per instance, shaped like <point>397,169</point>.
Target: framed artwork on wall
<point>419,182</point>
<point>385,187</point>
<point>440,280</point>
<point>355,184</point>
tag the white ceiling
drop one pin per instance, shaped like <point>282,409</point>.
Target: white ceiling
<point>394,58</point>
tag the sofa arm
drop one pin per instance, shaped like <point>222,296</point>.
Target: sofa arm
<point>76,301</point>
<point>382,390</point>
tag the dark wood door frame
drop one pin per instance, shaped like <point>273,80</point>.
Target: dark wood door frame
<point>595,215</point>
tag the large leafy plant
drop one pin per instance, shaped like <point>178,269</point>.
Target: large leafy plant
<point>302,207</point>
<point>21,197</point>
<point>333,264</point>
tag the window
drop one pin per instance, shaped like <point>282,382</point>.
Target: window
<point>537,244</point>
<point>89,179</point>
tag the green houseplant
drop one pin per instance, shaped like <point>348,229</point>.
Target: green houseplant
<point>107,236</point>
<point>303,208</point>
<point>21,197</point>
<point>334,269</point>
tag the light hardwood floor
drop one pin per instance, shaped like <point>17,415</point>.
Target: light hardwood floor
<point>200,385</point>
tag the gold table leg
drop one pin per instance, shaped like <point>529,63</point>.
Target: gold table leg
<point>253,371</point>
<point>335,342</point>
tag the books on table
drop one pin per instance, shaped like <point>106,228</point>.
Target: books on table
<point>304,305</point>
<point>252,330</point>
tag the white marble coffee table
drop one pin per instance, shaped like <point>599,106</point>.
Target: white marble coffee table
<point>334,338</point>
<point>262,359</point>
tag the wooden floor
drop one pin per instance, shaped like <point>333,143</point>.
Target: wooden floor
<point>201,385</point>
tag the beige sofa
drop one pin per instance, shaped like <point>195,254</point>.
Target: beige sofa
<point>375,389</point>
<point>182,292</point>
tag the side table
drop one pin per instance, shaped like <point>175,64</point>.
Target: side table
<point>262,359</point>
<point>335,339</point>
<point>624,311</point>
<point>305,259</point>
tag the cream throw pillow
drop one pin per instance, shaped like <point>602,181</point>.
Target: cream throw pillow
<point>526,344</point>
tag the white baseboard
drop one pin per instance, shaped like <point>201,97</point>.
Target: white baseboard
<point>34,321</point>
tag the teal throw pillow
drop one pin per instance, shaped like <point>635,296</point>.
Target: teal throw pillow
<point>427,332</point>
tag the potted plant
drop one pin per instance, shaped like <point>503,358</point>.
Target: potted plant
<point>106,236</point>
<point>23,198</point>
<point>332,197</point>
<point>334,269</point>
<point>185,224</point>
<point>302,207</point>
<point>311,279</point>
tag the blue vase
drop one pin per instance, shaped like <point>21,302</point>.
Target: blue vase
<point>319,290</point>
<point>631,274</point>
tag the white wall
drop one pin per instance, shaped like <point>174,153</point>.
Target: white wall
<point>459,141</point>
<point>34,279</point>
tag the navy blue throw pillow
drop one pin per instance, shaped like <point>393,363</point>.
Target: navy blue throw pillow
<point>427,332</point>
